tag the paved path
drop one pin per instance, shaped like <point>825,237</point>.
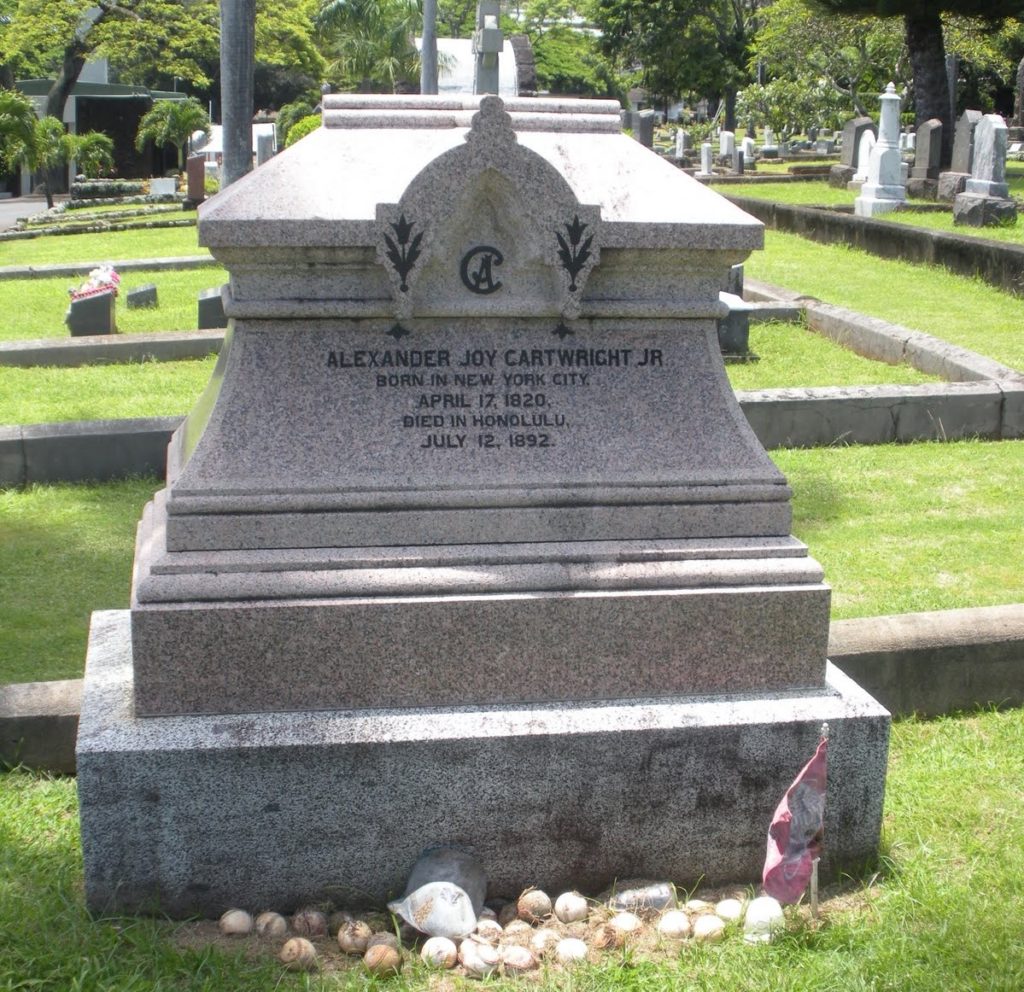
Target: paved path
<point>21,206</point>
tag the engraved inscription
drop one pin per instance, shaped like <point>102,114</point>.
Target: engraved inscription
<point>513,400</point>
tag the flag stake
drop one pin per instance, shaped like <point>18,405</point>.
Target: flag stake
<point>814,888</point>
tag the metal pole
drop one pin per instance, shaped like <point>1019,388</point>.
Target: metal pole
<point>237,49</point>
<point>428,52</point>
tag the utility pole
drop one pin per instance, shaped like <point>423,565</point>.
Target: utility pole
<point>237,54</point>
<point>428,51</point>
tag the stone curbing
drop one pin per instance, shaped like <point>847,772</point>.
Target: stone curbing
<point>998,263</point>
<point>159,346</point>
<point>124,265</point>
<point>925,663</point>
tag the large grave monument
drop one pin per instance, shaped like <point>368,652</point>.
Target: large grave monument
<point>467,541</point>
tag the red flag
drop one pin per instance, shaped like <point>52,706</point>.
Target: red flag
<point>797,830</point>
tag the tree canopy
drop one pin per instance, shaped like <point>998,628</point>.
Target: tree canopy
<point>681,46</point>
<point>172,122</point>
<point>922,25</point>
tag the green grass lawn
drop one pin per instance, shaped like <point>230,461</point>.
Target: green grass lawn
<point>101,392</point>
<point>791,356</point>
<point>92,249</point>
<point>897,529</point>
<point>812,193</point>
<point>959,309</point>
<point>943,914</point>
<point>40,304</point>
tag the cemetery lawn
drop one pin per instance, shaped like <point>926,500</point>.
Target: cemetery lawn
<point>943,913</point>
<point>37,306</point>
<point>791,356</point>
<point>958,309</point>
<point>810,193</point>
<point>45,395</point>
<point>92,249</point>
<point>898,528</point>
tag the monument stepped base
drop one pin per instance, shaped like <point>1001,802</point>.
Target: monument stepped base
<point>185,815</point>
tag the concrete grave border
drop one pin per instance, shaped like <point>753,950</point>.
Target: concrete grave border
<point>926,663</point>
<point>996,262</point>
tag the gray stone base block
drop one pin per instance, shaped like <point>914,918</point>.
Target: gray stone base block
<point>951,184</point>
<point>184,815</point>
<point>983,211</point>
<point>840,175</point>
<point>493,649</point>
<point>922,188</point>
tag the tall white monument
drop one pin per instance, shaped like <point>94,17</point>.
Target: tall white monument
<point>884,190</point>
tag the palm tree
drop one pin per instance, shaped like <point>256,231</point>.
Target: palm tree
<point>172,122</point>
<point>93,153</point>
<point>371,41</point>
<point>17,126</point>
<point>48,148</point>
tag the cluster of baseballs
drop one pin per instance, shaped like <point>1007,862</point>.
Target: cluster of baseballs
<point>513,939</point>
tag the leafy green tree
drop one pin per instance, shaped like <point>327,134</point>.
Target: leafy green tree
<point>57,37</point>
<point>17,127</point>
<point>682,46</point>
<point>172,122</point>
<point>855,57</point>
<point>369,43</point>
<point>922,26</point>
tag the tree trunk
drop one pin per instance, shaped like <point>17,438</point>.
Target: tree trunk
<point>928,61</point>
<point>729,124</point>
<point>70,69</point>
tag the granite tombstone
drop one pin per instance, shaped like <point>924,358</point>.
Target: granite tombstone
<point>954,181</point>
<point>467,541</point>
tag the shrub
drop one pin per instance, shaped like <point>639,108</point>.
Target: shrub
<point>102,189</point>
<point>301,128</point>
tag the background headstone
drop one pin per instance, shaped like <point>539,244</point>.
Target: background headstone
<point>727,146</point>
<point>963,142</point>
<point>92,315</point>
<point>211,309</point>
<point>986,199</point>
<point>264,148</point>
<point>706,157</point>
<point>645,128</point>
<point>852,131</point>
<point>141,296</point>
<point>195,171</point>
<point>928,150</point>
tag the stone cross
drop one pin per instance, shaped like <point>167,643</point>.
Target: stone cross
<point>487,44</point>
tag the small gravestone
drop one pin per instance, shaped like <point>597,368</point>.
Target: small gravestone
<point>863,157</point>
<point>737,161</point>
<point>645,128</point>
<point>734,327</point>
<point>211,310</point>
<point>842,174</point>
<point>706,160</point>
<point>92,314</point>
<point>264,148</point>
<point>163,187</point>
<point>195,172</point>
<point>986,200</point>
<point>954,181</point>
<point>141,297</point>
<point>726,147</point>
<point>883,190</point>
<point>923,181</point>
<point>749,151</point>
